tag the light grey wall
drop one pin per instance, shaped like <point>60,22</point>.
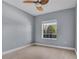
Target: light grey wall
<point>76,30</point>
<point>66,28</point>
<point>20,28</point>
<point>16,27</point>
<point>33,32</point>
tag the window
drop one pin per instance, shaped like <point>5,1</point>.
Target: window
<point>49,29</point>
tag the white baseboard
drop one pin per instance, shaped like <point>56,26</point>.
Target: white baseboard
<point>15,49</point>
<point>67,48</point>
<point>76,51</point>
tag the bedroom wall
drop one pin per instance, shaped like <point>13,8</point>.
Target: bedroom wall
<point>16,27</point>
<point>19,28</point>
<point>66,28</point>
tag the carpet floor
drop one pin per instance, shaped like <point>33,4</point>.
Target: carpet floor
<point>40,52</point>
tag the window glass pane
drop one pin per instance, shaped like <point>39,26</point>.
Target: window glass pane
<point>49,30</point>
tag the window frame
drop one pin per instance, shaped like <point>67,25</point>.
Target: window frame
<point>52,22</point>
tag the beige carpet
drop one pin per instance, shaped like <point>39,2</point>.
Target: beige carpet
<point>39,52</point>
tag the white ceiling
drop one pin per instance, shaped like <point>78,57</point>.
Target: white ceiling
<point>53,5</point>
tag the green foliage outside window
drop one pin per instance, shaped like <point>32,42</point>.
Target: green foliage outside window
<point>51,29</point>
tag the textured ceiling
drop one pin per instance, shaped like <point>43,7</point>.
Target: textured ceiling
<point>53,5</point>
